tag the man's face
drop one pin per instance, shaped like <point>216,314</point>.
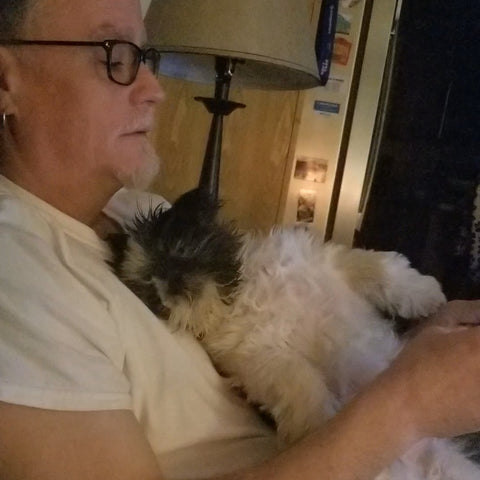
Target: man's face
<point>77,120</point>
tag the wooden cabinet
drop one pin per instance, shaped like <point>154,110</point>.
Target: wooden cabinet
<point>256,157</point>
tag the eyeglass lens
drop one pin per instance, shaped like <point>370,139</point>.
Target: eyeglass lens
<point>125,60</point>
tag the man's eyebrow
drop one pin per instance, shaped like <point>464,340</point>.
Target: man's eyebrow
<point>108,30</point>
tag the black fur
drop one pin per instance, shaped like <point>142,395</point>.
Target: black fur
<point>470,446</point>
<point>144,288</point>
<point>185,245</point>
<point>118,243</point>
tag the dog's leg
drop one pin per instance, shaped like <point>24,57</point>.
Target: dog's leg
<point>388,281</point>
<point>291,389</point>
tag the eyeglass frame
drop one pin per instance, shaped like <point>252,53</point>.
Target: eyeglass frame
<point>107,46</point>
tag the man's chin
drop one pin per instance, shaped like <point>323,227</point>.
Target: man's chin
<point>141,176</point>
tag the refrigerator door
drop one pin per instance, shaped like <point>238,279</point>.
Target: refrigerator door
<point>367,123</point>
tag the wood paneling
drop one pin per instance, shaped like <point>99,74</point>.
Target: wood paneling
<point>255,159</point>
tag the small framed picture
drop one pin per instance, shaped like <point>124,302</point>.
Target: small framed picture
<point>344,23</point>
<point>306,206</point>
<point>341,51</point>
<point>311,169</point>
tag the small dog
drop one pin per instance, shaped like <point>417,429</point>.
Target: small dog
<point>300,326</point>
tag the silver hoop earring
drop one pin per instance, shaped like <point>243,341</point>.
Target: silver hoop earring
<point>4,121</point>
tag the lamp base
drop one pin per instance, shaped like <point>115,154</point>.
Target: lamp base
<point>219,106</point>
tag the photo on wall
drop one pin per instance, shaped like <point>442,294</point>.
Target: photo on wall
<point>341,51</point>
<point>306,206</point>
<point>311,169</point>
<point>344,23</point>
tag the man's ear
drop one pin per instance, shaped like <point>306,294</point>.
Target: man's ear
<point>8,71</point>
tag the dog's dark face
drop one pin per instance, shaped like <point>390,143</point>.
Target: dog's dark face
<point>173,253</point>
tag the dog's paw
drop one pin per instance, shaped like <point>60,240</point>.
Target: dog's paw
<point>387,280</point>
<point>424,297</point>
<point>411,294</point>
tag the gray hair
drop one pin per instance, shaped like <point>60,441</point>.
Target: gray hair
<point>13,14</point>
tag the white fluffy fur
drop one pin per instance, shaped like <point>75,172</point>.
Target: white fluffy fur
<point>304,333</point>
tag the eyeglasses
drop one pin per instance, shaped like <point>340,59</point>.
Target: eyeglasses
<point>123,58</point>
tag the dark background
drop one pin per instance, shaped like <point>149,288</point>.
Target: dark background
<point>421,200</point>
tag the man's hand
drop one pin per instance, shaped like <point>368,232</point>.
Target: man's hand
<point>438,374</point>
<point>457,313</point>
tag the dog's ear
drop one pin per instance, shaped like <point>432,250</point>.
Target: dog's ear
<point>196,205</point>
<point>118,244</point>
<point>192,210</point>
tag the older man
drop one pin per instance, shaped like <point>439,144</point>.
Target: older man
<point>92,385</point>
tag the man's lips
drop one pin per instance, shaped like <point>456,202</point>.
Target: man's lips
<point>143,131</point>
<point>139,126</point>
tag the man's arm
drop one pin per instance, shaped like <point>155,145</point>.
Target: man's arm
<point>109,445</point>
<point>357,444</point>
<point>52,445</point>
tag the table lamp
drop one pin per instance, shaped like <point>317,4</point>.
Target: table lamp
<point>263,44</point>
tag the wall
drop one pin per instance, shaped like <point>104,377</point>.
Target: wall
<point>324,128</point>
<point>145,4</point>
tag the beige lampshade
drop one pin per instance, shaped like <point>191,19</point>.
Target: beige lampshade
<point>275,39</point>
